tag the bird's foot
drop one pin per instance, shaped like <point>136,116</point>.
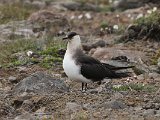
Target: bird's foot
<point>84,87</point>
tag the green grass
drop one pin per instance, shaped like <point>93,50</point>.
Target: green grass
<point>15,12</point>
<point>48,52</point>
<point>8,49</point>
<point>136,87</point>
<point>154,59</point>
<point>104,24</point>
<point>152,19</point>
<point>149,26</point>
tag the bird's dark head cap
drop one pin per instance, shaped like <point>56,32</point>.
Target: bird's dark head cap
<point>70,35</point>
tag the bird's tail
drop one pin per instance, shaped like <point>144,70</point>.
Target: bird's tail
<point>114,74</point>
<point>122,75</point>
<point>114,68</point>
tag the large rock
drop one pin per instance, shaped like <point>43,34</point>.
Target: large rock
<point>130,4</point>
<point>40,83</point>
<point>126,4</point>
<point>48,21</point>
<point>115,104</point>
<point>16,29</point>
<point>80,6</point>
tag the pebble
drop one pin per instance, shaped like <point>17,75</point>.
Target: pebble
<point>115,104</point>
<point>149,112</point>
<point>25,116</point>
<point>72,106</point>
<point>12,79</point>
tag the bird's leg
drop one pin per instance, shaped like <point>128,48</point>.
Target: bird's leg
<point>85,86</point>
<point>82,86</point>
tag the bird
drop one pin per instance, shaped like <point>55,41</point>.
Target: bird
<point>83,68</point>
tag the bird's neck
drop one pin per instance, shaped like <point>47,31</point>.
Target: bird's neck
<point>74,44</point>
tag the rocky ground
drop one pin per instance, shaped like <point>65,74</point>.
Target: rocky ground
<point>33,85</point>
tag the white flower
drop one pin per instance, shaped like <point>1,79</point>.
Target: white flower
<point>29,53</point>
<point>72,17</point>
<point>115,27</point>
<point>149,11</point>
<point>117,15</point>
<point>154,9</point>
<point>88,16</point>
<point>101,29</point>
<point>129,15</point>
<point>80,16</point>
<point>139,16</point>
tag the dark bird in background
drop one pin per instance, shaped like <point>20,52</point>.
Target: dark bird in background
<point>83,68</point>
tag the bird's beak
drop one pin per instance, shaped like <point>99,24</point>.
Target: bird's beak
<point>65,38</point>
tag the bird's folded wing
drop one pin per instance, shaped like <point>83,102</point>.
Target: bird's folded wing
<point>93,69</point>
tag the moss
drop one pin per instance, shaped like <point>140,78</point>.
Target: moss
<point>49,61</point>
<point>137,87</point>
<point>121,29</point>
<point>104,24</point>
<point>106,8</point>
<point>138,71</point>
<point>97,2</point>
<point>50,51</point>
<point>81,115</point>
<point>154,59</point>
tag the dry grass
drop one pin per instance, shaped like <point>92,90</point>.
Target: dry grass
<point>15,12</point>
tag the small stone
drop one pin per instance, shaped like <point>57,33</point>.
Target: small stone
<point>157,106</point>
<point>117,95</point>
<point>12,79</point>
<point>7,88</point>
<point>27,102</point>
<point>158,113</point>
<point>72,106</point>
<point>139,108</point>
<point>157,100</point>
<point>27,105</point>
<point>115,104</point>
<point>149,106</point>
<point>149,112</point>
<point>25,116</point>
<point>92,91</point>
<point>22,69</point>
<point>41,110</point>
<point>96,114</point>
<point>140,77</point>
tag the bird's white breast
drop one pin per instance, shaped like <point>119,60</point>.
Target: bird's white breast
<point>72,70</point>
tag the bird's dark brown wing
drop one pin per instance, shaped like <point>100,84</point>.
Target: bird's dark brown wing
<point>93,69</point>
